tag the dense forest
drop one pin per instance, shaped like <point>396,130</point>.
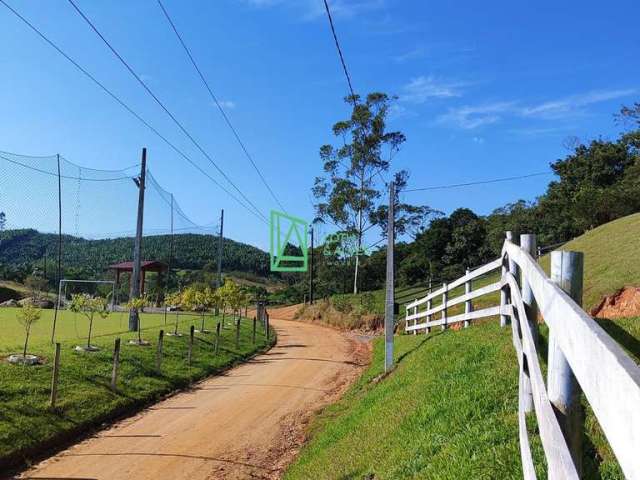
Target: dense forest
<point>24,251</point>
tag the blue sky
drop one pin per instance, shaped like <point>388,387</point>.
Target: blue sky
<point>484,91</point>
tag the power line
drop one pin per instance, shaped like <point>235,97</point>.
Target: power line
<point>126,107</point>
<point>344,65</point>
<point>166,110</point>
<point>480,182</point>
<point>222,111</point>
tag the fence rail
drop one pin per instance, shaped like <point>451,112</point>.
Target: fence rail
<point>580,351</point>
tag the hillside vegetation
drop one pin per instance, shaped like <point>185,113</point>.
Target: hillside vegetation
<point>191,251</point>
<point>449,410</point>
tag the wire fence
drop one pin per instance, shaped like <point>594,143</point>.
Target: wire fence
<point>60,220</point>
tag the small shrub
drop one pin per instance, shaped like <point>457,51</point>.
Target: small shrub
<point>342,303</point>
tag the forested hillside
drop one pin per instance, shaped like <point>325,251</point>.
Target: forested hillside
<point>23,250</point>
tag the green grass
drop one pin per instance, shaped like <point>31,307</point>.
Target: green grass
<point>84,397</point>
<point>448,411</point>
<point>610,258</point>
<point>74,326</point>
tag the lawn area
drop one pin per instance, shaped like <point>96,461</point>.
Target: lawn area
<point>74,326</point>
<point>448,411</point>
<point>84,397</point>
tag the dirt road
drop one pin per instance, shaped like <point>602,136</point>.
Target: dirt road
<point>248,423</point>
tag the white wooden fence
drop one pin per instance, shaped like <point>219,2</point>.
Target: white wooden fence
<point>595,362</point>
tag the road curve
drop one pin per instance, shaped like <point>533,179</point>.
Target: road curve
<point>248,423</point>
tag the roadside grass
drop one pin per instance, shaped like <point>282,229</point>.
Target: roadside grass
<point>85,400</point>
<point>448,411</point>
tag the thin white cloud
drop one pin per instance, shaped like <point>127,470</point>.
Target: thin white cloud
<point>573,104</point>
<point>227,104</point>
<point>473,116</point>
<point>470,117</point>
<point>413,54</point>
<point>421,89</point>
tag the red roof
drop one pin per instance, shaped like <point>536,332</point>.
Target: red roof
<point>151,265</point>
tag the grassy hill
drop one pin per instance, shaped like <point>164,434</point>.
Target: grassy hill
<point>610,258</point>
<point>449,410</point>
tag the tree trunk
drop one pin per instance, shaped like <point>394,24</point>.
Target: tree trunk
<point>90,327</point>
<point>355,276</point>
<point>177,320</point>
<point>26,342</point>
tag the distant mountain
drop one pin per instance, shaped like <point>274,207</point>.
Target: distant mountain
<point>20,248</point>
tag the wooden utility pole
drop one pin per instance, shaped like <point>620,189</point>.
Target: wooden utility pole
<point>59,265</point>
<point>564,392</point>
<point>311,272</point>
<point>137,246</point>
<point>390,298</point>
<point>220,244</point>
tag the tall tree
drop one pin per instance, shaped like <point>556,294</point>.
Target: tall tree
<point>352,191</point>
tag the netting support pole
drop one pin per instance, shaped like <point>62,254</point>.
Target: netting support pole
<point>137,246</point>
<point>59,267</point>
<point>166,282</point>
<point>220,242</point>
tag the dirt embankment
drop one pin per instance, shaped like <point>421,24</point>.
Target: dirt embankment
<point>624,303</point>
<point>323,312</point>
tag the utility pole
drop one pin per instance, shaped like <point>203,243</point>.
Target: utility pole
<point>137,246</point>
<point>168,279</point>
<point>220,241</point>
<point>311,272</point>
<point>390,297</point>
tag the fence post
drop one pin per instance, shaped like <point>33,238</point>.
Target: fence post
<point>116,364</point>
<point>528,244</point>
<point>389,318</point>
<point>190,352</point>
<point>238,334</point>
<point>444,306</point>
<point>468,305</point>
<point>527,392</point>
<point>267,324</point>
<point>253,334</point>
<point>429,305</point>
<point>217,338</point>
<point>564,391</point>
<point>415,312</point>
<point>504,298</point>
<point>159,352</point>
<point>55,376</point>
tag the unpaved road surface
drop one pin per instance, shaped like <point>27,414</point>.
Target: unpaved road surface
<point>248,423</point>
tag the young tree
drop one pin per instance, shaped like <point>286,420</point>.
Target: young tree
<point>89,306</point>
<point>137,304</point>
<point>36,285</point>
<point>352,191</point>
<point>27,316</point>
<point>174,300</point>
<point>3,221</point>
